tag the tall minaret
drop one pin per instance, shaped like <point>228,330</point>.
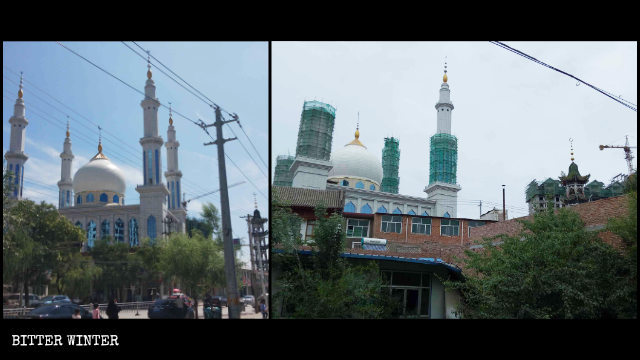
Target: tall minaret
<point>153,192</point>
<point>174,175</point>
<point>15,156</point>
<point>65,184</point>
<point>443,157</point>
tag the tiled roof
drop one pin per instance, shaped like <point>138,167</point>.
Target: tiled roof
<point>332,199</point>
<point>594,214</point>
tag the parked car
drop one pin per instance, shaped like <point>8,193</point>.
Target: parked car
<point>58,311</point>
<point>14,300</point>
<point>169,309</point>
<point>55,299</point>
<point>249,300</point>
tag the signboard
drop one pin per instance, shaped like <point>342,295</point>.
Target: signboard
<point>373,241</point>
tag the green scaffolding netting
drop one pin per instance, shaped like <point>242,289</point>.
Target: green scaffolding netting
<point>390,164</point>
<point>282,176</point>
<point>443,159</point>
<point>316,130</point>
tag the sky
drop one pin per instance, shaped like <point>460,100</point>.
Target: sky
<point>513,117</point>
<point>58,84</point>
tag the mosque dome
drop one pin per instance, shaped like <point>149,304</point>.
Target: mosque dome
<point>355,161</point>
<point>100,174</point>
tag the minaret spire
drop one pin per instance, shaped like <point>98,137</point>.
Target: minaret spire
<point>173,175</point>
<point>65,185</point>
<point>15,156</point>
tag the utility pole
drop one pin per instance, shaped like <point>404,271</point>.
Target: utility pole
<point>229,254</point>
<point>504,211</point>
<point>480,208</point>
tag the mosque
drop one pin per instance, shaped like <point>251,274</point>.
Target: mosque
<point>94,197</point>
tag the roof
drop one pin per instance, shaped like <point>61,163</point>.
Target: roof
<point>300,197</point>
<point>594,214</point>
<point>574,175</point>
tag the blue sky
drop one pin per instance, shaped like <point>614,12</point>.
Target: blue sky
<point>58,84</point>
<point>513,117</point>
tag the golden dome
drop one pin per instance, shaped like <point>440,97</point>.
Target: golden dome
<point>20,93</point>
<point>444,78</point>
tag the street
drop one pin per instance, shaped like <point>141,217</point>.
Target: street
<point>249,313</point>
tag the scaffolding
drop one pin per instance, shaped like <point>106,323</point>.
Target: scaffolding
<point>390,165</point>
<point>282,176</point>
<point>316,130</point>
<point>443,159</point>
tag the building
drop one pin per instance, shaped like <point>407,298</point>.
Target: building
<point>94,197</point>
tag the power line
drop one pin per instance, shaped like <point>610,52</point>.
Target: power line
<point>618,99</point>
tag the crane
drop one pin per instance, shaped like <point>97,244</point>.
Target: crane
<point>184,203</point>
<point>627,151</point>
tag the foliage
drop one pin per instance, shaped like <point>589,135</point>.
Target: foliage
<point>119,266</point>
<point>199,225</point>
<point>553,269</point>
<point>324,286</point>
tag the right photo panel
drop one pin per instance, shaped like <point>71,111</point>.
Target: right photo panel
<point>386,204</point>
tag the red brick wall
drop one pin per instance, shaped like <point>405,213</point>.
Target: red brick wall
<point>407,237</point>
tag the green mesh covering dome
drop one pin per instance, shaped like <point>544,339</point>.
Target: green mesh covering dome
<point>443,158</point>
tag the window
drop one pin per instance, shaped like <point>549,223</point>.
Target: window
<point>449,227</point>
<point>372,187</point>
<point>178,193</point>
<point>91,233</point>
<point>345,183</point>
<point>118,231</point>
<point>359,185</point>
<point>79,200</point>
<point>397,211</point>
<point>144,166</point>
<point>90,198</point>
<point>104,229</point>
<point>446,215</point>
<point>309,232</point>
<point>157,168</point>
<point>104,197</point>
<point>425,213</point>
<point>79,224</point>
<point>151,227</point>
<point>357,228</point>
<point>411,212</point>
<point>391,224</point>
<point>366,209</point>
<point>421,225</point>
<point>350,207</point>
<point>133,232</point>
<point>473,224</point>
<point>116,199</point>
<point>150,167</point>
<point>410,292</point>
<point>68,195</point>
<point>382,210</point>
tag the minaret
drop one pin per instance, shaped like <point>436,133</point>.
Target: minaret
<point>65,184</point>
<point>15,156</point>
<point>173,176</point>
<point>443,157</point>
<point>153,193</point>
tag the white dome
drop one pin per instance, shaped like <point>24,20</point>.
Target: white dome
<point>100,174</point>
<point>355,161</point>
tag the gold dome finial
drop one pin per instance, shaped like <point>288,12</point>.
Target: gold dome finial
<point>445,78</point>
<point>571,141</point>
<point>100,140</point>
<point>149,65</point>
<point>357,134</point>
<point>170,118</point>
<point>67,125</point>
<point>20,91</point>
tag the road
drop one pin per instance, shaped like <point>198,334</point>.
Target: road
<point>249,313</point>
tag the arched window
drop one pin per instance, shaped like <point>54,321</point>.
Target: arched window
<point>411,212</point>
<point>350,207</point>
<point>397,211</point>
<point>91,233</point>
<point>366,209</point>
<point>382,210</point>
<point>151,227</point>
<point>150,167</point>
<point>157,168</point>
<point>446,215</point>
<point>79,224</point>
<point>345,183</point>
<point>359,185</point>
<point>104,229</point>
<point>425,213</point>
<point>178,193</point>
<point>133,232</point>
<point>90,198</point>
<point>68,197</point>
<point>372,187</point>
<point>79,200</point>
<point>116,199</point>
<point>118,231</point>
<point>104,197</point>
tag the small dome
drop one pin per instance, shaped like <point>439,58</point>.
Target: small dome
<point>355,161</point>
<point>100,174</point>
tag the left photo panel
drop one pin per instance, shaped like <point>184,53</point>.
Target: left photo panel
<point>135,180</point>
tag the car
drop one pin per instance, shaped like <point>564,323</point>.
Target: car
<point>55,299</point>
<point>249,300</point>
<point>58,311</point>
<point>222,299</point>
<point>17,300</point>
<point>168,309</point>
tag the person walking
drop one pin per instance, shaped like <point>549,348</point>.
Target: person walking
<point>95,313</point>
<point>112,309</point>
<point>76,314</point>
<point>263,309</point>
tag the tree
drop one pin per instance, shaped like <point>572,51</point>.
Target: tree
<point>212,218</point>
<point>37,240</point>
<point>200,225</point>
<point>119,266</point>
<point>553,269</point>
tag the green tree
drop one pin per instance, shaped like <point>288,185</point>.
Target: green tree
<point>199,225</point>
<point>553,269</point>
<point>37,241</point>
<point>120,267</point>
<point>211,216</point>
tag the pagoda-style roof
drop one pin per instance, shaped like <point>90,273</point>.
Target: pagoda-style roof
<point>574,176</point>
